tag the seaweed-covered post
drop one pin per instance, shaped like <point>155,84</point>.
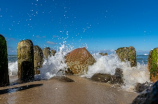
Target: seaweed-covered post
<point>25,56</point>
<point>38,59</point>
<point>153,64</point>
<point>53,52</point>
<point>127,53</point>
<point>4,77</point>
<point>46,52</point>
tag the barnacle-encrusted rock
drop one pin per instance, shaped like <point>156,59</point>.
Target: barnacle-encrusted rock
<point>46,52</point>
<point>153,64</point>
<point>38,59</point>
<point>127,53</point>
<point>4,77</point>
<point>25,56</point>
<point>78,61</point>
<point>53,52</point>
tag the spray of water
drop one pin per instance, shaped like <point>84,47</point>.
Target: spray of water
<point>104,64</point>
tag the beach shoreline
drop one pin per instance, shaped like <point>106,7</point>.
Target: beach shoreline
<point>54,91</point>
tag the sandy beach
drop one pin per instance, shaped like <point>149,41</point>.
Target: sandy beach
<point>54,91</point>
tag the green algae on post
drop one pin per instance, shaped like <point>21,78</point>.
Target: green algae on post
<point>38,59</point>
<point>153,64</point>
<point>4,77</point>
<point>127,53</point>
<point>25,56</point>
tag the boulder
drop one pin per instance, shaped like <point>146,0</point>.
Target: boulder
<point>53,52</point>
<point>4,77</point>
<point>117,78</point>
<point>38,59</point>
<point>142,86</point>
<point>103,54</point>
<point>153,64</point>
<point>127,53</point>
<point>101,77</point>
<point>46,52</point>
<point>148,96</point>
<point>78,61</point>
<point>25,57</point>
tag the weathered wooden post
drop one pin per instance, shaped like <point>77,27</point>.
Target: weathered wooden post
<point>4,77</point>
<point>153,64</point>
<point>46,52</point>
<point>25,56</point>
<point>53,52</point>
<point>38,59</point>
<point>127,53</point>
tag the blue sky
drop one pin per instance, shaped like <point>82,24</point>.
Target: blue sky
<point>103,25</point>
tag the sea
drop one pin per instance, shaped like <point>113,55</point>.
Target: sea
<point>104,64</point>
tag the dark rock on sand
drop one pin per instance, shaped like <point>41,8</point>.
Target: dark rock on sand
<point>38,59</point>
<point>117,78</point>
<point>142,86</point>
<point>78,61</point>
<point>127,53</point>
<point>63,79</point>
<point>148,96</point>
<point>25,56</point>
<point>101,77</point>
<point>103,54</point>
<point>153,64</point>
<point>4,77</point>
<point>46,52</point>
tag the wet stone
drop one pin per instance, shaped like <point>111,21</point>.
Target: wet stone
<point>78,61</point>
<point>101,77</point>
<point>63,79</point>
<point>4,77</point>
<point>25,56</point>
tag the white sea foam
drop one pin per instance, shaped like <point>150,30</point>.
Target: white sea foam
<point>13,68</point>
<point>108,64</point>
<point>54,64</point>
<point>104,64</point>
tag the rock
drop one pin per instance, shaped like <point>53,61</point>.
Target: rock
<point>127,53</point>
<point>53,52</point>
<point>101,77</point>
<point>153,64</point>
<point>46,52</point>
<point>25,56</point>
<point>142,86</point>
<point>103,54</point>
<point>117,78</point>
<point>38,59</point>
<point>148,96</point>
<point>63,79</point>
<point>78,61</point>
<point>4,77</point>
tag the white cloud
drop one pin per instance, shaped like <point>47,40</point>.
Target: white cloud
<point>49,42</point>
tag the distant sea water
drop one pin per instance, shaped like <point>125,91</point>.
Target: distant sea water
<point>142,59</point>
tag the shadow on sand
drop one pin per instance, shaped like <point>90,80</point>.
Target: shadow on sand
<point>11,90</point>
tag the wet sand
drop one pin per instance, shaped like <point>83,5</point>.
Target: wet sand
<point>53,91</point>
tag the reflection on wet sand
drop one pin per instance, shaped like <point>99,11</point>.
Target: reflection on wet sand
<point>81,91</point>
